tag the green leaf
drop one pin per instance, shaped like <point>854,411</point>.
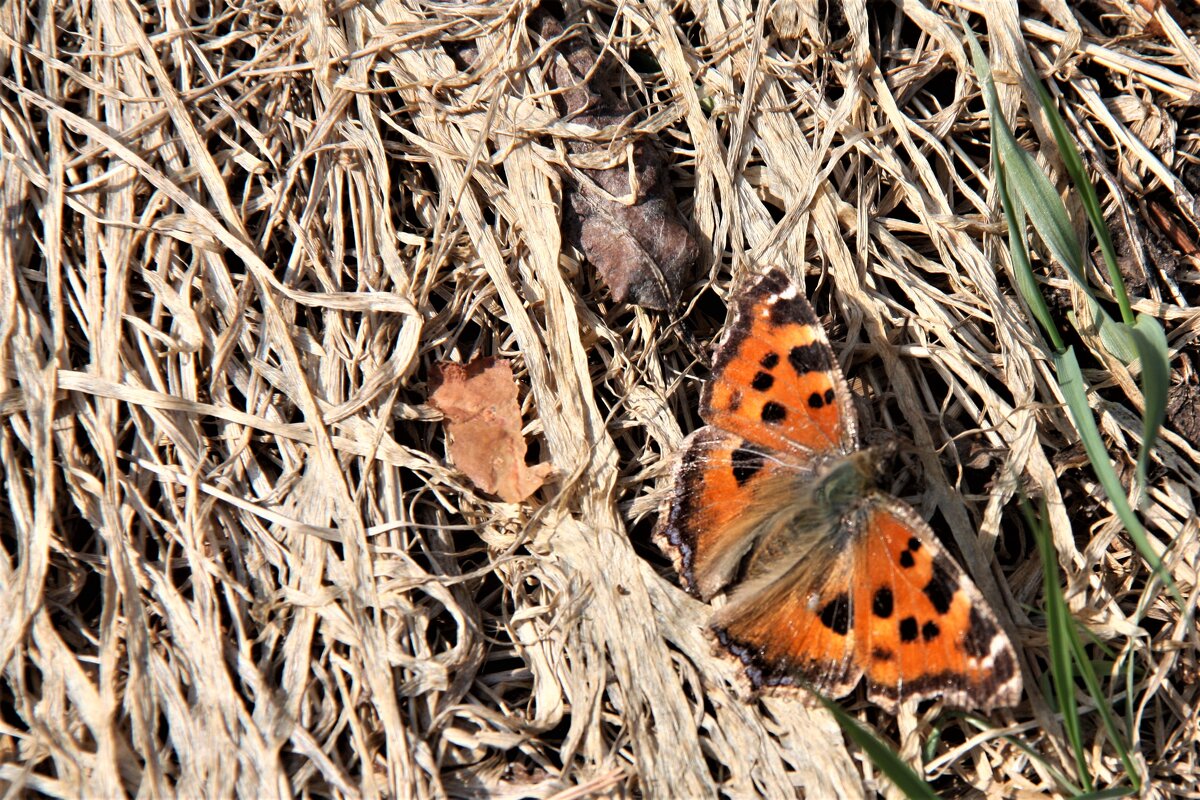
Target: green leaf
<point>1151,342</point>
<point>881,754</point>
<point>1027,181</point>
<point>1060,630</point>
<point>1046,209</point>
<point>1114,335</point>
<point>1074,391</point>
<point>1026,281</point>
<point>1023,188</point>
<point>1014,210</point>
<point>1104,794</point>
<point>1073,163</point>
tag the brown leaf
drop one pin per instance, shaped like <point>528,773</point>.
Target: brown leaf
<point>643,250</point>
<point>483,425</point>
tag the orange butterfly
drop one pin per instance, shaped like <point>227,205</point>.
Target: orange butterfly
<point>833,579</point>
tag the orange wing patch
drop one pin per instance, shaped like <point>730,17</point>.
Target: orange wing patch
<point>721,483</point>
<point>775,379</point>
<point>797,634</point>
<point>924,629</point>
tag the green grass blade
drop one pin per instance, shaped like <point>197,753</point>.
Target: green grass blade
<point>1120,343</point>
<point>1114,334</point>
<point>1014,210</point>
<point>1104,794</point>
<point>1018,250</point>
<point>1045,208</point>
<point>881,754</point>
<point>1026,179</point>
<point>1059,631</point>
<point>1073,163</point>
<point>1142,338</point>
<point>1129,670</point>
<point>1051,768</point>
<point>1151,342</point>
<point>1088,673</point>
<point>1068,658</point>
<point>1074,391</point>
<point>1146,337</point>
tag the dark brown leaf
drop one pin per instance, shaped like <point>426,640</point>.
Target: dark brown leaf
<point>642,250</point>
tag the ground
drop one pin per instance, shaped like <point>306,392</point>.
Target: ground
<point>239,557</point>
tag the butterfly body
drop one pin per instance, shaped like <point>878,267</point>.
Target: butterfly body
<point>829,579</point>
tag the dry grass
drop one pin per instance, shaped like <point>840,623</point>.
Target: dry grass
<point>235,238</point>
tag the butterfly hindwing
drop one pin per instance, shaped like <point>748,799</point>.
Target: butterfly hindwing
<point>775,379</point>
<point>924,628</point>
<point>796,630</point>
<point>727,490</point>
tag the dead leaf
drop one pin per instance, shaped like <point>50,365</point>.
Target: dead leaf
<point>483,426</point>
<point>630,231</point>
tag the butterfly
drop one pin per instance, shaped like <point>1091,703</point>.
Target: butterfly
<point>829,579</point>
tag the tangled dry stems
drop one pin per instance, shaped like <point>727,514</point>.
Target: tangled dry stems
<point>236,560</point>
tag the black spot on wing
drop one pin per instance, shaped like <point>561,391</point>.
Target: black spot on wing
<point>906,558</point>
<point>773,412</point>
<point>763,381</point>
<point>769,361</point>
<point>941,587</point>
<point>930,631</point>
<point>835,615</point>
<point>811,357</point>
<point>882,654</point>
<point>908,629</point>
<point>977,641</point>
<point>816,401</point>
<point>746,463</point>
<point>883,603</point>
<point>1003,667</point>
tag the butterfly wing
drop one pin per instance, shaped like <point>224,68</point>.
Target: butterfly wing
<point>923,629</point>
<point>728,493</point>
<point>775,381</point>
<point>792,622</point>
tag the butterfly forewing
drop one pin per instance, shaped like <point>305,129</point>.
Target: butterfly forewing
<point>775,379</point>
